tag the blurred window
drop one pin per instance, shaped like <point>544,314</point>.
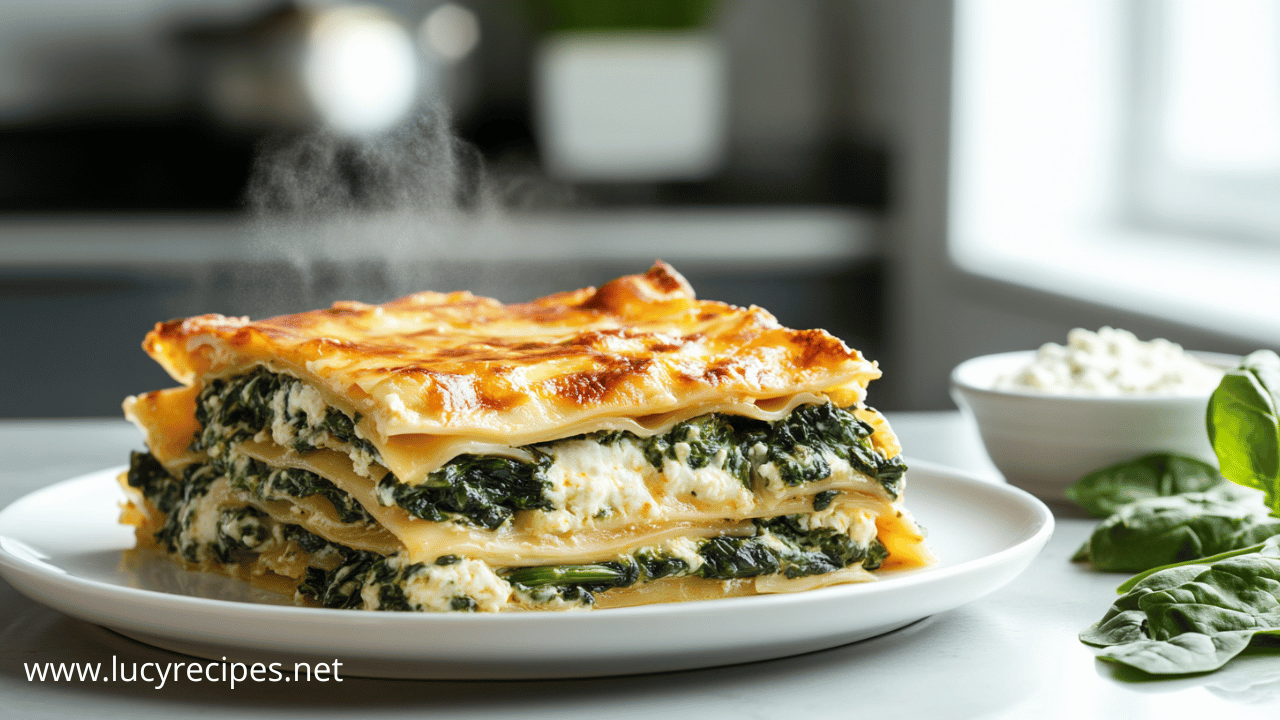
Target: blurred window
<point>1124,153</point>
<point>1206,131</point>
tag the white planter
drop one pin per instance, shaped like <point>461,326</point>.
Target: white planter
<point>631,107</point>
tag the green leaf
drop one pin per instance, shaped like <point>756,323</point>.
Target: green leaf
<point>1244,428</point>
<point>1270,547</point>
<point>1193,617</point>
<point>1159,531</point>
<point>1103,492</point>
<point>1120,624</point>
<point>1187,653</point>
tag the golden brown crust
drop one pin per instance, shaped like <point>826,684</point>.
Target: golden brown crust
<point>459,364</point>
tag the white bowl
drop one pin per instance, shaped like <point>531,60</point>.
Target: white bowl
<point>1043,443</point>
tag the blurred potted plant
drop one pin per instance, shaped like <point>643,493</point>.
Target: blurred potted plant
<point>629,90</point>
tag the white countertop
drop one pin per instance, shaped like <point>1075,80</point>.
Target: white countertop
<point>1012,654</point>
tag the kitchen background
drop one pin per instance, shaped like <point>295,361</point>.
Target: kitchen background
<point>929,180</point>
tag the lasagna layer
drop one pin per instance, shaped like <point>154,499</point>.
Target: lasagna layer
<point>215,517</point>
<point>611,514</point>
<point>592,493</point>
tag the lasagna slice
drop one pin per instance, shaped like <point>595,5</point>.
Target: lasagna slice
<point>602,447</point>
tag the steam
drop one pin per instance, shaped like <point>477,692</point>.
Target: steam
<point>418,167</point>
<point>372,218</point>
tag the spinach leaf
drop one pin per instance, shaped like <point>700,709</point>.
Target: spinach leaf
<point>823,500</point>
<point>1244,427</point>
<point>1193,617</point>
<point>595,577</point>
<point>1159,531</point>
<point>1103,492</point>
<point>727,557</point>
<point>1132,582</point>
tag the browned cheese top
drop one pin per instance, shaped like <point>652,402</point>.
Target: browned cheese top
<point>457,364</point>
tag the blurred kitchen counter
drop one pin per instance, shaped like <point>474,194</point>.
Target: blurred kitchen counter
<point>1012,654</point>
<point>787,236</point>
<point>83,291</point>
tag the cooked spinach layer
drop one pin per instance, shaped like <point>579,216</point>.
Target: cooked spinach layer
<point>240,529</point>
<point>483,490</point>
<point>486,491</point>
<point>797,445</point>
<point>710,440</point>
<point>237,408</point>
<point>339,574</point>
<point>157,485</point>
<point>780,545</point>
<point>236,528</point>
<point>176,498</point>
<point>269,483</point>
<point>339,586</point>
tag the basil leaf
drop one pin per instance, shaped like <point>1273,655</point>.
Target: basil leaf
<point>1244,428</point>
<point>1193,617</point>
<point>1103,492</point>
<point>1158,531</point>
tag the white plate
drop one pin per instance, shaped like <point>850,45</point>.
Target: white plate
<point>62,547</point>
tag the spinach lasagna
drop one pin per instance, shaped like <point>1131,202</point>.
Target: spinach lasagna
<point>445,452</point>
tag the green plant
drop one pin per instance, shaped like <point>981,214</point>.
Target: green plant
<point>1196,615</point>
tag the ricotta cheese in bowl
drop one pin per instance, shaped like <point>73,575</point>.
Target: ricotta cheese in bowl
<point>1112,362</point>
<point>1049,416</point>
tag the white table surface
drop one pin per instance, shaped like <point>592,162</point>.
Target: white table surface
<point>1012,654</point>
